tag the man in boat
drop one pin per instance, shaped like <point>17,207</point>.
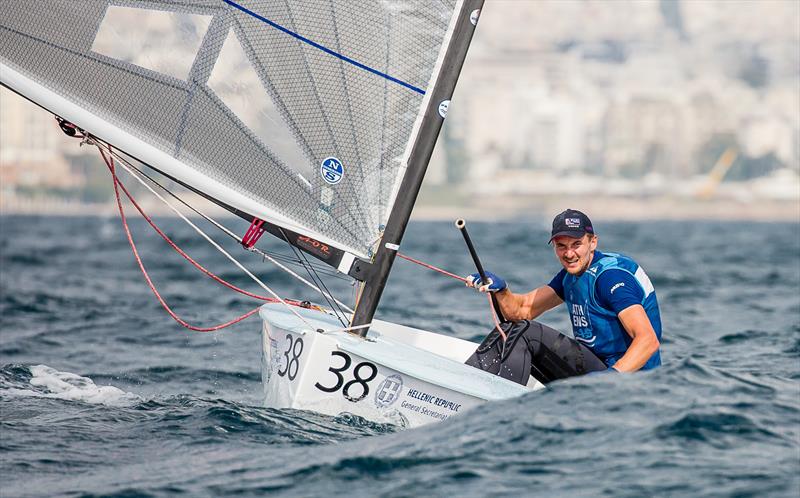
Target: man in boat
<point>612,305</point>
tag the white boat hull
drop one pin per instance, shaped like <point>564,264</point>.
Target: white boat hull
<point>399,375</point>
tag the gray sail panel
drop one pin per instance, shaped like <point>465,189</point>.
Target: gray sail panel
<point>338,79</point>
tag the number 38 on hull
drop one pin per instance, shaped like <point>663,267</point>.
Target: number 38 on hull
<point>398,374</point>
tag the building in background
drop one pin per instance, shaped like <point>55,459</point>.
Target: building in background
<point>636,91</point>
<point>31,152</point>
<point>614,98</point>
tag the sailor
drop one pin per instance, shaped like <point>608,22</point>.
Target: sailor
<point>611,302</point>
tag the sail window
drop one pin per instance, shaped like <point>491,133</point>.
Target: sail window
<point>237,84</point>
<point>165,42</point>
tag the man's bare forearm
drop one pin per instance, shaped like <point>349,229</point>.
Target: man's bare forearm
<point>645,342</point>
<point>511,305</point>
<point>640,350</point>
<point>527,306</point>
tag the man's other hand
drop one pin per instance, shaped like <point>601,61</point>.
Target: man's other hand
<point>494,283</point>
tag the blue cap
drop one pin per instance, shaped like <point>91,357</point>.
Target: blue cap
<point>571,223</point>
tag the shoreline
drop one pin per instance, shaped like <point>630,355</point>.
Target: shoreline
<point>621,209</point>
<point>600,208</point>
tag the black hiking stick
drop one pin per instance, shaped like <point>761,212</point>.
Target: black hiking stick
<point>462,226</point>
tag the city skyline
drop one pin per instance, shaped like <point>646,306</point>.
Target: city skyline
<point>556,90</point>
<point>666,94</point>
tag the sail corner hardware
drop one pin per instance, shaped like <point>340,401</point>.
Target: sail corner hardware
<point>253,233</point>
<point>70,129</point>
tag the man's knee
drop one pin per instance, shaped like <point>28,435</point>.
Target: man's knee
<point>557,356</point>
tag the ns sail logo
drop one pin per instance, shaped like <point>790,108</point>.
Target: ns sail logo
<point>332,170</point>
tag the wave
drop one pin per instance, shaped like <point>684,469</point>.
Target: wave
<point>198,418</point>
<point>46,382</point>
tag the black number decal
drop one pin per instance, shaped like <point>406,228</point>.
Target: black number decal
<point>337,371</point>
<point>286,355</point>
<point>295,359</point>
<point>359,380</point>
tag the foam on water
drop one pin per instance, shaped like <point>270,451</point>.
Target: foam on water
<point>73,387</point>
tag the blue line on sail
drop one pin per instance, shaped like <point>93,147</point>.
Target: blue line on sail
<point>323,48</point>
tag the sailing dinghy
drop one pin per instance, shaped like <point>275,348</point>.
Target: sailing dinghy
<point>314,120</point>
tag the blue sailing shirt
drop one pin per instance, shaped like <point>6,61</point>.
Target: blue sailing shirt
<point>612,283</point>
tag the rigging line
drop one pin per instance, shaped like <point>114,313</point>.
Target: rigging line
<point>285,258</point>
<point>316,278</point>
<point>215,223</point>
<point>110,163</point>
<point>324,286</point>
<point>221,227</point>
<point>327,294</point>
<point>288,259</point>
<point>335,304</point>
<point>445,272</point>
<point>182,252</point>
<point>323,48</point>
<point>349,329</point>
<point>497,321</point>
<point>224,252</point>
<point>431,267</point>
<point>332,301</point>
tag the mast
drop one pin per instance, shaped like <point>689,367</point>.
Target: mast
<point>424,142</point>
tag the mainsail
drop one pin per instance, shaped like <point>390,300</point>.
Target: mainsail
<point>305,114</point>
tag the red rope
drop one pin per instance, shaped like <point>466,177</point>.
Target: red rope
<point>431,267</point>
<point>445,272</point>
<point>117,185</point>
<point>109,160</point>
<point>494,316</point>
<point>182,253</point>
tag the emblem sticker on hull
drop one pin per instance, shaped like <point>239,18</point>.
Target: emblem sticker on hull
<point>388,391</point>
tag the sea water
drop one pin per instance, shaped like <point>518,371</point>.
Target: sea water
<point>101,393</point>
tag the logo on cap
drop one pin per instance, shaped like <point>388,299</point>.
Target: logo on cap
<point>573,222</point>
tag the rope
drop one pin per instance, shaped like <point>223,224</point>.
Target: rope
<point>453,275</point>
<point>181,251</point>
<point>110,163</point>
<point>219,248</point>
<point>221,227</point>
<point>431,267</point>
<point>496,320</point>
